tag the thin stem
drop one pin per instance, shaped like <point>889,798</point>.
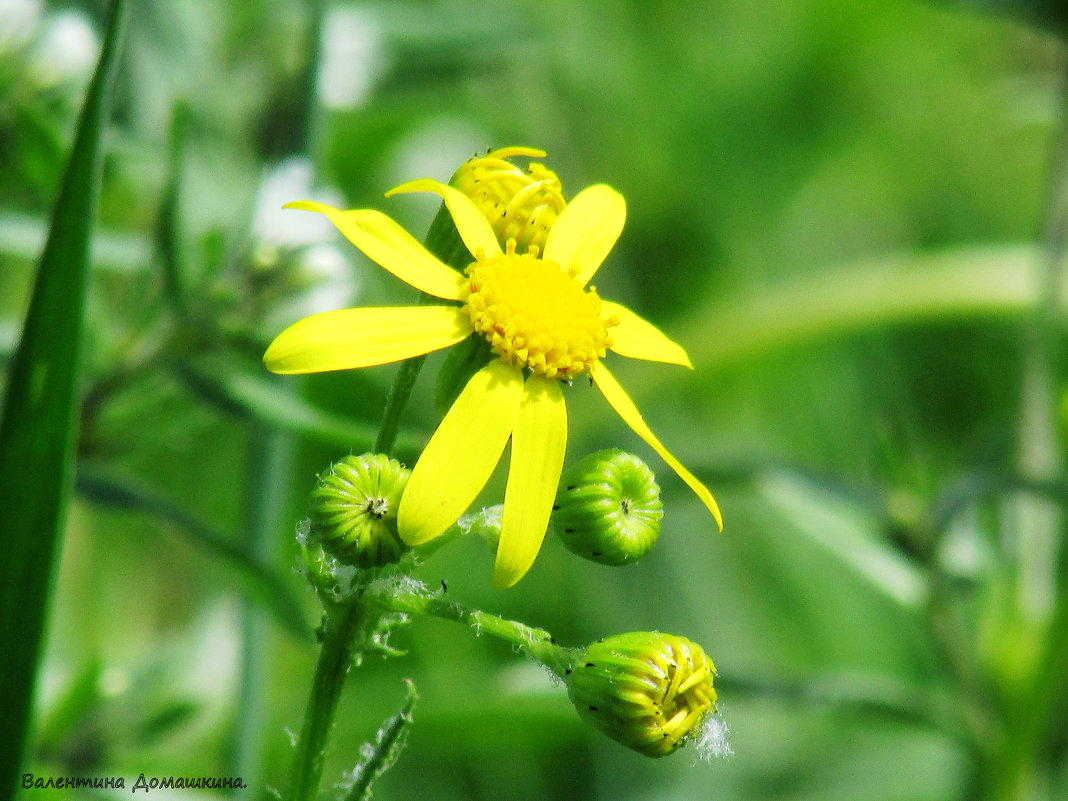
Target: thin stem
<point>397,399</point>
<point>340,628</point>
<point>854,695</point>
<point>308,130</point>
<point>389,744</point>
<point>168,223</point>
<point>536,642</point>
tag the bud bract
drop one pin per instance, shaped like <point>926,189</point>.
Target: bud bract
<point>352,511</point>
<point>647,690</point>
<point>608,508</point>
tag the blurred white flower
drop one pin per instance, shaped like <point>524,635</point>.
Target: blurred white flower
<point>293,179</point>
<point>323,280</point>
<point>66,49</point>
<point>314,276</point>
<point>19,20</point>
<point>353,58</point>
<point>435,148</point>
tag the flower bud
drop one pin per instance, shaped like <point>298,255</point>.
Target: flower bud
<point>608,508</point>
<point>649,691</point>
<point>352,511</point>
<point>520,205</point>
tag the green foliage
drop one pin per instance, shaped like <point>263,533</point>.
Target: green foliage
<point>1046,13</point>
<point>38,428</point>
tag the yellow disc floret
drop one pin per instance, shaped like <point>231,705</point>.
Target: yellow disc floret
<point>535,315</point>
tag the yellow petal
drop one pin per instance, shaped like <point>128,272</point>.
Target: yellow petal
<point>389,245</point>
<point>538,445</point>
<point>515,150</point>
<point>460,457</point>
<point>625,408</point>
<point>472,225</point>
<point>637,338</point>
<point>586,230</point>
<point>350,338</point>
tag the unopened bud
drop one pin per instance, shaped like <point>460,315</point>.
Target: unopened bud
<point>520,204</point>
<point>353,510</point>
<point>608,508</point>
<point>649,691</point>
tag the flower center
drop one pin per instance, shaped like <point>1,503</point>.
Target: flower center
<point>377,507</point>
<point>535,315</point>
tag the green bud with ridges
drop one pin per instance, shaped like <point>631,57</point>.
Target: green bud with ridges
<point>649,691</point>
<point>608,508</point>
<point>352,511</point>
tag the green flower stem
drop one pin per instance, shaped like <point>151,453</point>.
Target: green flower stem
<point>397,399</point>
<point>341,626</point>
<point>538,643</point>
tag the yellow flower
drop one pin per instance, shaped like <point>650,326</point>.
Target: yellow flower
<point>543,322</point>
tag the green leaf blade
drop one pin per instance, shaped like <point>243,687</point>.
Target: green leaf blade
<point>38,426</point>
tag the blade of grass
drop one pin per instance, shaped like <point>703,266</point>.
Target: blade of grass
<point>38,428</point>
<point>843,528</point>
<point>962,283</point>
<point>270,454</point>
<point>168,234</point>
<point>858,695</point>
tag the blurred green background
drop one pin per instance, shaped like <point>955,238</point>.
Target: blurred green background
<point>842,210</point>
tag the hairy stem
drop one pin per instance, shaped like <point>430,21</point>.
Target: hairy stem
<point>536,642</point>
<point>340,628</point>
